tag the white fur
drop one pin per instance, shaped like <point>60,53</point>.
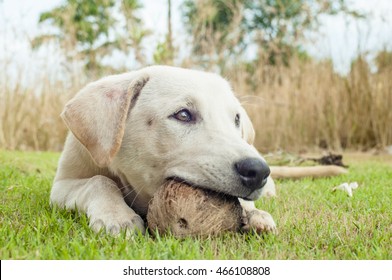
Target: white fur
<point>125,143</point>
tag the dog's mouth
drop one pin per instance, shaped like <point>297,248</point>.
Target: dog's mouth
<point>205,188</point>
<point>186,182</point>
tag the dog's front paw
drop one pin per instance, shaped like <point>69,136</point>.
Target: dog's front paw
<point>259,221</point>
<point>114,221</point>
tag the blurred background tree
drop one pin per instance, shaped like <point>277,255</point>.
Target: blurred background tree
<point>216,28</point>
<point>222,32</point>
<point>135,32</point>
<point>89,30</point>
<point>272,29</point>
<point>165,50</point>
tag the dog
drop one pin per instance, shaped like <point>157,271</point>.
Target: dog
<point>129,133</point>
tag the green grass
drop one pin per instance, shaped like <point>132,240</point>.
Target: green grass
<point>313,222</point>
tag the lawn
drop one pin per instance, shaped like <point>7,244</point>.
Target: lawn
<point>313,221</point>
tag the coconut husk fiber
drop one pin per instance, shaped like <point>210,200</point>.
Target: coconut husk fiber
<point>183,211</point>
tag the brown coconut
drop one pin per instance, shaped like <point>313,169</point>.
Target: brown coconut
<point>187,211</point>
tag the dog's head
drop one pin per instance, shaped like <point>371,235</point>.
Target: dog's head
<point>163,123</point>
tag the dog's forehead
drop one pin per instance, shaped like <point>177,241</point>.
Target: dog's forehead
<point>173,84</point>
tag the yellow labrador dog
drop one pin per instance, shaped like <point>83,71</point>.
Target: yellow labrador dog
<point>132,132</point>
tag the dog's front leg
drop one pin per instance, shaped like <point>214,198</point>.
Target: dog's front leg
<point>256,219</point>
<point>102,201</point>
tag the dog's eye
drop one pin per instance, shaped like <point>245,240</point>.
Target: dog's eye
<point>237,120</point>
<point>183,115</point>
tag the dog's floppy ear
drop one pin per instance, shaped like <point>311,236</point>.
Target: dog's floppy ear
<point>96,115</point>
<point>248,133</point>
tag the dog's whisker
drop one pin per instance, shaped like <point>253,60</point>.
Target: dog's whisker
<point>137,194</point>
<point>130,193</point>
<point>124,187</point>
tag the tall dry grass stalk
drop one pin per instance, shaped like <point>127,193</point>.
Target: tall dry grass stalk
<point>30,106</point>
<point>306,106</point>
<point>309,106</point>
<point>30,119</point>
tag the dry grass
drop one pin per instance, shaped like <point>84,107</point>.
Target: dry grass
<point>309,106</point>
<point>29,116</point>
<point>304,106</point>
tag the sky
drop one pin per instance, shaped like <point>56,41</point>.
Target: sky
<point>343,39</point>
<point>339,38</point>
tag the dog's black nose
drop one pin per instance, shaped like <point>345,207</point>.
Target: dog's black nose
<point>253,172</point>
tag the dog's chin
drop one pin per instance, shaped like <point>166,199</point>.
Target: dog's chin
<point>254,195</point>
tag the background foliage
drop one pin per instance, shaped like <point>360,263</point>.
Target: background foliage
<point>295,101</point>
